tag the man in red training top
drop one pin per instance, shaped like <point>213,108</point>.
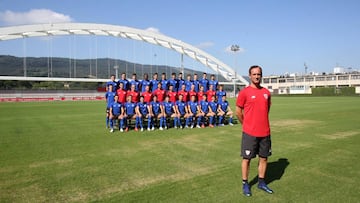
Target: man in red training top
<point>252,109</point>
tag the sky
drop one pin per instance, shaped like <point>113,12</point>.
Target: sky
<point>279,35</point>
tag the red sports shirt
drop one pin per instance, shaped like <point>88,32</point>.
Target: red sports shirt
<point>256,104</point>
<point>134,96</point>
<point>192,93</point>
<point>172,96</point>
<point>200,96</point>
<point>160,93</point>
<point>147,96</point>
<point>122,95</point>
<point>185,95</point>
<point>209,94</point>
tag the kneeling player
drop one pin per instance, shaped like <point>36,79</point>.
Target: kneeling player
<point>116,113</point>
<point>142,111</point>
<point>224,110</point>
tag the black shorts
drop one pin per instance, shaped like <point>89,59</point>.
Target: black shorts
<point>252,146</point>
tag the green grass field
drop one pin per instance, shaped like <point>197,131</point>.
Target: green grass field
<point>61,152</point>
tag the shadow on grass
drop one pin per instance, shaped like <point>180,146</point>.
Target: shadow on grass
<point>275,170</point>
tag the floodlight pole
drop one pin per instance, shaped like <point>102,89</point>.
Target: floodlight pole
<point>235,48</point>
<point>116,71</point>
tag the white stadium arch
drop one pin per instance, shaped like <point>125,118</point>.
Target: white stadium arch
<point>38,30</point>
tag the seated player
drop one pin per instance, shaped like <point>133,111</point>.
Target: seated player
<point>116,113</point>
<point>205,112</point>
<point>129,113</point>
<point>213,109</point>
<point>121,92</point>
<point>192,113</point>
<point>169,111</point>
<point>142,111</point>
<point>224,110</point>
<point>156,112</point>
<point>180,106</point>
<point>109,96</point>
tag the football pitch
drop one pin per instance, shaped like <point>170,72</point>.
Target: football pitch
<point>61,152</point>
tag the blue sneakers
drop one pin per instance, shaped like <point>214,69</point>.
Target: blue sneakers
<point>263,186</point>
<point>246,189</point>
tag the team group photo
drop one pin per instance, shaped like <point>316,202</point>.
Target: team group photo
<point>161,103</point>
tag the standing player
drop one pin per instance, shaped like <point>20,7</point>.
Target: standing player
<point>252,109</point>
<point>134,81</point>
<point>111,82</point>
<point>133,93</point>
<point>180,81</point>
<point>164,82</point>
<point>109,96</point>
<point>213,82</point>
<point>204,82</point>
<point>116,113</point>
<point>172,94</point>
<point>145,82</point>
<point>160,93</point>
<point>188,82</point>
<point>169,111</point>
<point>180,107</point>
<point>154,82</point>
<point>124,81</point>
<point>196,82</point>
<point>220,93</point>
<point>156,113</point>
<point>129,113</point>
<point>224,110</point>
<point>142,111</point>
<point>121,93</point>
<point>173,82</point>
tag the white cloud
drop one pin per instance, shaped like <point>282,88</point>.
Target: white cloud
<point>228,50</point>
<point>205,45</point>
<point>153,29</point>
<point>34,16</point>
